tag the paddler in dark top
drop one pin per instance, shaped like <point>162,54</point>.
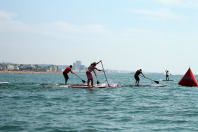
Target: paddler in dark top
<point>136,76</point>
<point>167,75</point>
<point>91,68</point>
<point>65,73</point>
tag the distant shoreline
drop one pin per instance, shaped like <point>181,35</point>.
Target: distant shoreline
<point>27,72</point>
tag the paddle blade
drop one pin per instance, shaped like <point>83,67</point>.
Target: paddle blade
<point>156,82</point>
<point>98,82</point>
<point>83,81</point>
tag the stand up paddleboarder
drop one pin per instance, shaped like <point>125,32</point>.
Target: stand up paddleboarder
<point>65,73</point>
<point>136,76</point>
<point>92,68</point>
<point>167,75</point>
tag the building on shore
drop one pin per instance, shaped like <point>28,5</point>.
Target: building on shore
<point>12,67</point>
<point>3,67</point>
<point>78,67</point>
<point>52,68</point>
<point>28,67</point>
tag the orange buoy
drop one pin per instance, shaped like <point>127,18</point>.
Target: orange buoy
<point>188,79</point>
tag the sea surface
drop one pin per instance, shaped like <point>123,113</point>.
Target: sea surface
<point>26,105</point>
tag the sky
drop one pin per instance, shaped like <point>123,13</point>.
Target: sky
<point>153,35</point>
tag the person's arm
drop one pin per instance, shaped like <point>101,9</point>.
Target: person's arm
<point>98,62</point>
<point>97,69</point>
<point>72,72</point>
<point>143,74</point>
<point>94,72</point>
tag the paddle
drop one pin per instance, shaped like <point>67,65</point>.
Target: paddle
<point>97,79</point>
<point>80,78</point>
<point>152,80</point>
<point>104,73</point>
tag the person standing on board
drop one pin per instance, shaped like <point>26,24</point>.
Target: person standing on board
<point>91,68</point>
<point>136,76</point>
<point>167,75</point>
<point>65,73</point>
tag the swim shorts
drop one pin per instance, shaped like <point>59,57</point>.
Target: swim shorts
<point>89,75</point>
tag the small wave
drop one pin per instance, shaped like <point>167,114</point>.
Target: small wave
<point>11,128</point>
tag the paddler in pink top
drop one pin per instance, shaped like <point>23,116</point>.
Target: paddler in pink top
<point>92,68</point>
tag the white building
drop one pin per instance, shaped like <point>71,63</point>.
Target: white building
<point>77,66</point>
<point>52,68</point>
<point>12,67</point>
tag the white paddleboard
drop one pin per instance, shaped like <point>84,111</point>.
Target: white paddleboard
<point>148,85</point>
<point>3,83</point>
<point>95,86</point>
<point>159,85</point>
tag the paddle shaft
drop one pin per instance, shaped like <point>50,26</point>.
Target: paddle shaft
<point>105,74</point>
<point>152,80</point>
<point>96,78</point>
<point>80,78</point>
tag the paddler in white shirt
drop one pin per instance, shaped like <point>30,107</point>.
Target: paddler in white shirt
<point>92,68</point>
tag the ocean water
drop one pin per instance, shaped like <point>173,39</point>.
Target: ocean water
<point>28,106</point>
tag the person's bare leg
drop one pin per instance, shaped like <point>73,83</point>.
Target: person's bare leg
<point>88,81</point>
<point>66,81</point>
<point>92,82</point>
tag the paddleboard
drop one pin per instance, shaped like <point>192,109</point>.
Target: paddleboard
<point>159,85</point>
<point>54,85</point>
<point>142,85</point>
<point>46,84</point>
<point>95,86</point>
<point>147,85</point>
<point>63,85</point>
<point>167,80</point>
<point>3,83</point>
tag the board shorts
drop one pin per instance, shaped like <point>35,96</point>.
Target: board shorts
<point>136,77</point>
<point>65,76</point>
<point>89,75</point>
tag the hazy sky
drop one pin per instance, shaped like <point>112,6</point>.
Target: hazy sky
<point>125,34</point>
